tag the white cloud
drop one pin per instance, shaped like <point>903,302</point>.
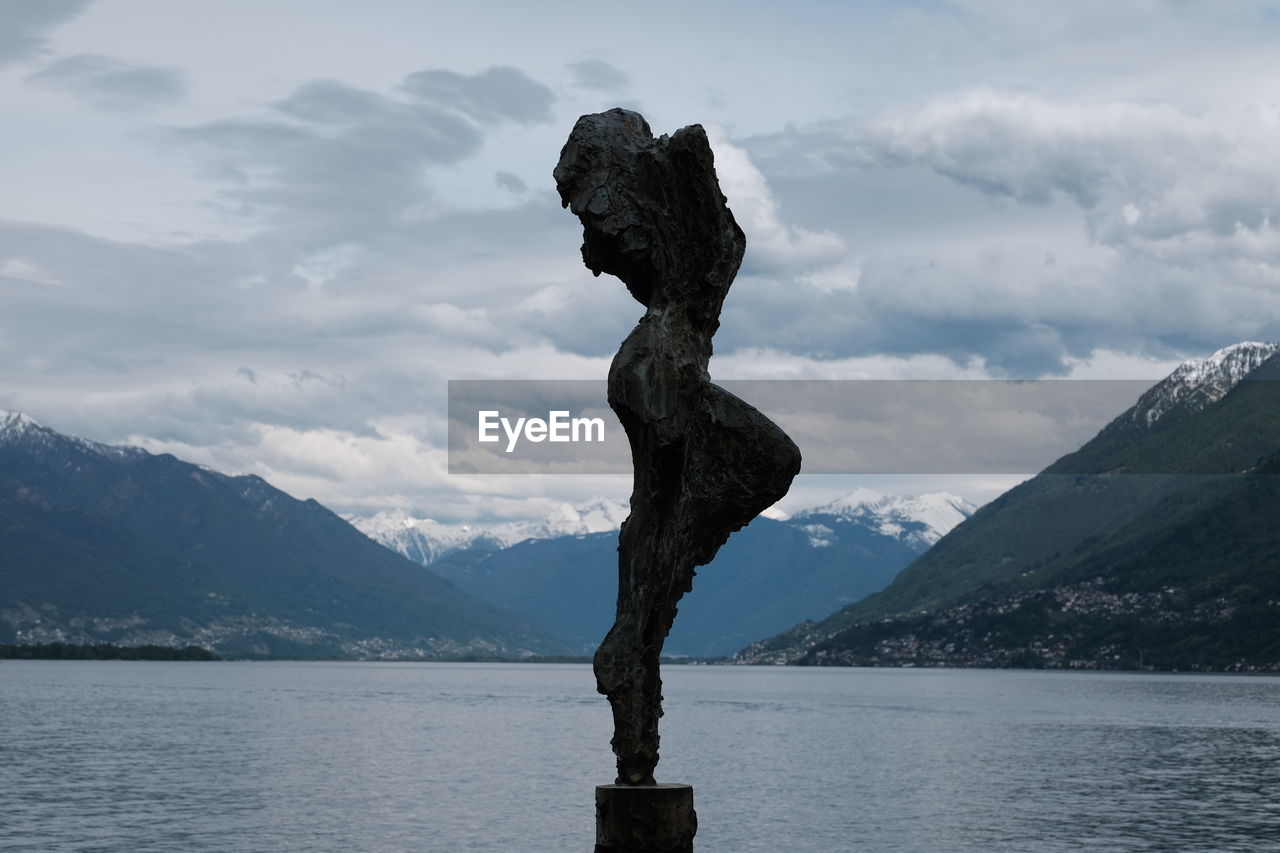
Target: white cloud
<point>1172,239</point>
<point>1152,178</point>
<point>21,268</point>
<point>390,467</point>
<point>1019,191</point>
<point>766,363</point>
<point>772,245</point>
<point>1029,148</point>
<point>324,265</point>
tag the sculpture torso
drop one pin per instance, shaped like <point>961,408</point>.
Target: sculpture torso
<point>706,463</point>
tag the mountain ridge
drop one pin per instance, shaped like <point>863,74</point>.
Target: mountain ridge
<point>115,544</point>
<point>1089,519</point>
<point>768,575</point>
<point>424,540</point>
<point>923,518</point>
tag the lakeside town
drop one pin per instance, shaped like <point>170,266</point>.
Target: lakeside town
<point>1080,626</point>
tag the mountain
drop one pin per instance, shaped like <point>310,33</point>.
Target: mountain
<point>424,540</point>
<point>920,521</point>
<point>1151,545</point>
<point>1197,384</point>
<point>769,575</point>
<point>114,544</point>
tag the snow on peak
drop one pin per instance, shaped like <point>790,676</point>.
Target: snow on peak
<point>820,536</point>
<point>1198,383</point>
<point>856,502</point>
<point>15,426</point>
<point>420,539</point>
<point>920,518</point>
<point>16,423</point>
<point>593,516</point>
<point>424,540</point>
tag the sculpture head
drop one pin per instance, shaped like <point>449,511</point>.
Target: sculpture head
<point>652,213</point>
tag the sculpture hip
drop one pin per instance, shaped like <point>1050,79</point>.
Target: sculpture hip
<point>706,463</point>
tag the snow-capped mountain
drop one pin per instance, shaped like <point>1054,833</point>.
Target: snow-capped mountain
<point>916,520</point>
<point>1198,383</point>
<point>920,519</point>
<point>425,540</point>
<point>769,575</point>
<point>13,424</point>
<point>422,540</point>
<point>1102,562</point>
<point>115,544</point>
<point>16,427</point>
<point>593,516</point>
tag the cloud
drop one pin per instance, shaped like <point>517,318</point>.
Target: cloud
<point>384,239</point>
<point>392,467</point>
<point>344,164</point>
<point>772,245</point>
<point>112,84</point>
<point>330,156</point>
<point>327,264</point>
<point>1151,177</point>
<point>598,74</point>
<point>510,183</point>
<point>1033,232</point>
<point>500,93</point>
<point>24,25</point>
<point>256,357</point>
<point>1027,148</point>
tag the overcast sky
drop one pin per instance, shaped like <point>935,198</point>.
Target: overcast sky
<point>262,234</point>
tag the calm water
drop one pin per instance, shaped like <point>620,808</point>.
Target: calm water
<point>366,758</point>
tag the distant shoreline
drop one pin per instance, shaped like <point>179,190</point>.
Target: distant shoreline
<point>102,651</point>
<point>109,652</point>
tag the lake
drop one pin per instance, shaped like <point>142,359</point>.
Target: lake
<point>374,758</point>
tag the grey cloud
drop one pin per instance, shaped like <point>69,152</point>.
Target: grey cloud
<point>24,25</point>
<point>350,165</point>
<point>510,182</point>
<point>774,245</point>
<point>1138,205</point>
<point>590,317</point>
<point>161,342</point>
<point>490,96</point>
<point>112,84</point>
<point>1022,317</point>
<point>1027,148</point>
<point>598,74</point>
<point>350,162</point>
<point>332,102</point>
<point>1149,177</point>
<point>972,282</point>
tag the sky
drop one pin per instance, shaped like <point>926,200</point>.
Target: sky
<point>262,235</point>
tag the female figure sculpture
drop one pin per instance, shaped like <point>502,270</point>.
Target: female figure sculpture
<point>706,463</point>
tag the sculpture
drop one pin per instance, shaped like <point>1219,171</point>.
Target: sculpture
<point>706,463</point>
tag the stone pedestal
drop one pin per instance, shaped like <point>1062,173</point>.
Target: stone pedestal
<point>645,818</point>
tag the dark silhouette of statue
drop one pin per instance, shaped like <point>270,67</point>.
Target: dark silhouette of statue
<point>706,463</point>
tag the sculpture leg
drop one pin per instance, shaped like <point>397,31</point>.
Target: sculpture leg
<point>627,672</point>
<point>627,662</point>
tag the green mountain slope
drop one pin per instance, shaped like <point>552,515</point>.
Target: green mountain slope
<point>102,544</point>
<point>1148,505</point>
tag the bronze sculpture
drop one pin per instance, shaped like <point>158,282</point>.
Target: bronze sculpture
<point>705,462</point>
